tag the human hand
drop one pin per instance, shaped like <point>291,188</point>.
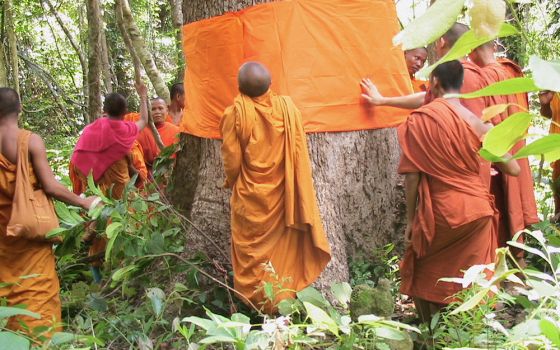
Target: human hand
<point>142,89</point>
<point>545,97</point>
<point>91,202</point>
<point>371,93</point>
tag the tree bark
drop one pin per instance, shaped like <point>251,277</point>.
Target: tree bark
<point>108,78</point>
<point>10,29</point>
<point>3,65</point>
<point>177,14</point>
<point>142,51</point>
<point>94,59</point>
<point>359,193</point>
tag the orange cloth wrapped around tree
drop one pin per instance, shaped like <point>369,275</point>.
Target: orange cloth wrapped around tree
<point>515,196</point>
<point>274,215</point>
<point>455,225</point>
<point>317,51</point>
<point>20,257</point>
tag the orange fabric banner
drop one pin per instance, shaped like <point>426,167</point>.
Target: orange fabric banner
<point>316,50</point>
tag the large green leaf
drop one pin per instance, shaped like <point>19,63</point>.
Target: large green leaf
<point>545,73</point>
<point>466,43</point>
<point>547,146</point>
<point>504,87</point>
<point>313,296</point>
<point>157,297</point>
<point>342,292</point>
<point>551,331</point>
<point>431,25</point>
<point>121,273</point>
<point>8,311</point>
<point>60,338</point>
<point>471,302</point>
<point>501,138</point>
<point>487,16</point>
<point>12,341</point>
<point>320,318</point>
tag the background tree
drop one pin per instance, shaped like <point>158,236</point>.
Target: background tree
<point>94,58</point>
<point>360,198</point>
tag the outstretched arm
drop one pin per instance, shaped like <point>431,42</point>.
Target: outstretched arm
<point>510,166</point>
<point>46,177</point>
<point>143,92</point>
<point>373,97</point>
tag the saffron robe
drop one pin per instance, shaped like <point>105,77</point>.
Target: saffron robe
<point>274,215</point>
<point>555,129</point>
<point>169,134</point>
<point>20,257</point>
<point>455,225</point>
<point>419,85</point>
<point>515,198</point>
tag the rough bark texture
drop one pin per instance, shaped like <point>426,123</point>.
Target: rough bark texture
<point>94,59</point>
<point>359,192</point>
<point>142,51</point>
<point>3,65</point>
<point>105,65</point>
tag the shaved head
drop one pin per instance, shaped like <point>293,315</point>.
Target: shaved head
<point>253,79</point>
<point>114,105</point>
<point>9,102</point>
<point>454,33</point>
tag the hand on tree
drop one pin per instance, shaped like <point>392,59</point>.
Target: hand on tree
<point>371,93</point>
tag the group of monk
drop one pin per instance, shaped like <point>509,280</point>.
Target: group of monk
<point>460,208</point>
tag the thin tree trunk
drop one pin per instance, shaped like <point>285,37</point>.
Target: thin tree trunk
<point>108,78</point>
<point>3,66</point>
<point>177,13</point>
<point>142,51</point>
<point>137,69</point>
<point>12,44</point>
<point>94,59</point>
<point>359,193</point>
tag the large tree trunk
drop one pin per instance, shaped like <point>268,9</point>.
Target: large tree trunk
<point>142,51</point>
<point>355,174</point>
<point>94,59</point>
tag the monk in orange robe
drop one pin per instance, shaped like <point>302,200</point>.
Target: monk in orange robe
<point>104,150</point>
<point>515,196</point>
<point>177,95</point>
<point>168,132</point>
<point>415,60</point>
<point>550,108</point>
<point>451,215</point>
<point>19,257</point>
<point>275,223</point>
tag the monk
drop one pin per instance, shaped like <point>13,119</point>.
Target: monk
<point>450,212</point>
<point>177,94</point>
<point>168,132</point>
<point>473,80</point>
<point>103,150</point>
<point>19,257</point>
<point>550,108</point>
<point>415,60</point>
<point>276,230</point>
<point>515,198</point>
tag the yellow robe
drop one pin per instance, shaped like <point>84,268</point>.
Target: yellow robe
<point>25,258</point>
<point>274,215</point>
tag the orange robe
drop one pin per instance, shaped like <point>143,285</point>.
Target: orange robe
<point>112,183</point>
<point>555,129</point>
<point>24,258</point>
<point>515,196</point>
<point>274,214</point>
<point>137,158</point>
<point>419,85</point>
<point>169,134</point>
<point>455,223</point>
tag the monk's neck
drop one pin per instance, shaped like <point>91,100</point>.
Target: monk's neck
<point>9,122</point>
<point>159,125</point>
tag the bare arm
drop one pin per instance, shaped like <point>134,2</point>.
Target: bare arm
<point>510,166</point>
<point>143,92</point>
<point>373,97</point>
<point>411,192</point>
<point>46,177</point>
<point>545,97</point>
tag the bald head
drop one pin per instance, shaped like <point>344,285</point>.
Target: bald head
<point>9,102</point>
<point>454,33</point>
<point>253,79</point>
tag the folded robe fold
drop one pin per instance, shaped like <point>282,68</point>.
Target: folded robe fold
<point>274,214</point>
